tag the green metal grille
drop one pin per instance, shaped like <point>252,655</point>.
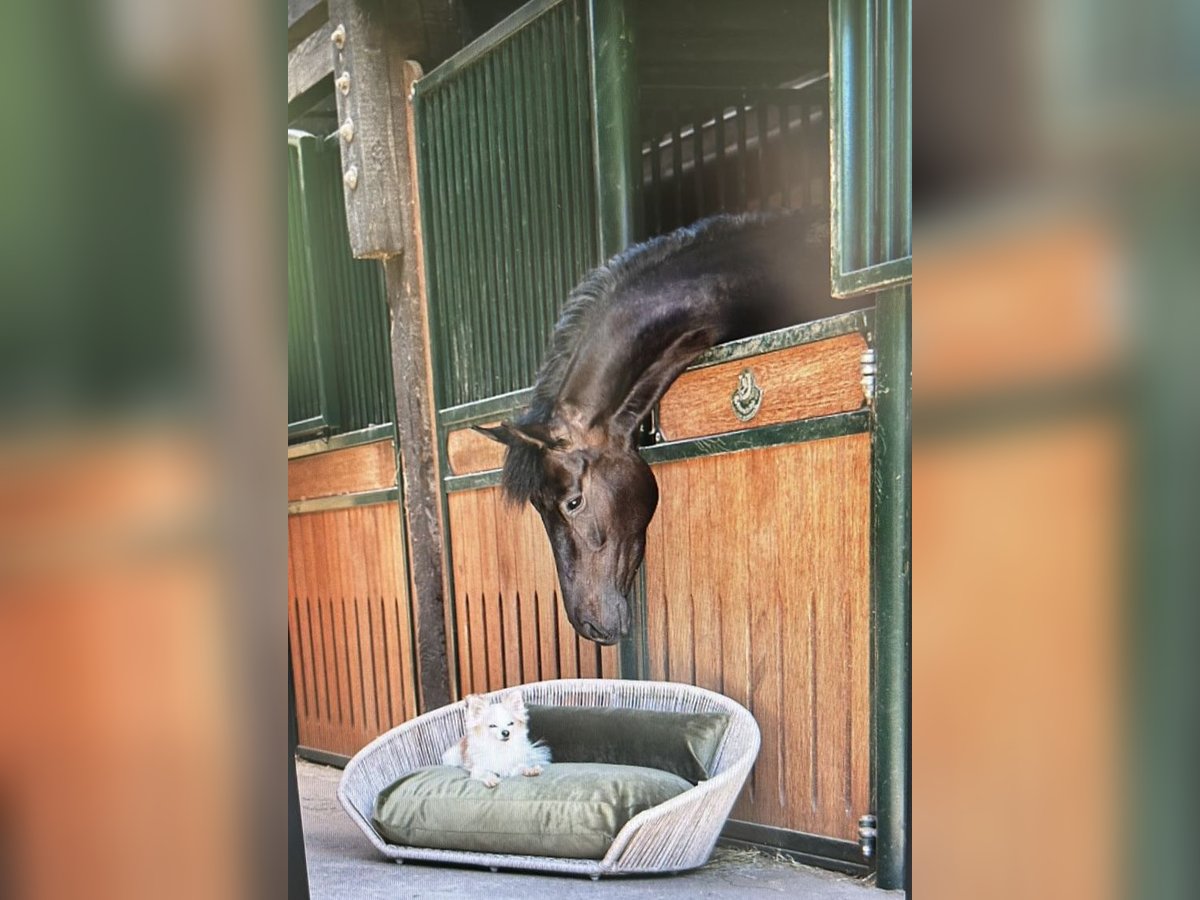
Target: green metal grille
<point>339,372</point>
<point>871,111</point>
<point>508,204</point>
<point>707,150</point>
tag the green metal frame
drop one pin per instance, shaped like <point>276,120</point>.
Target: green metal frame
<point>891,583</point>
<point>305,275</point>
<point>340,441</point>
<point>870,113</point>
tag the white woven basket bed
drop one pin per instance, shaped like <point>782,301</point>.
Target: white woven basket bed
<point>676,835</point>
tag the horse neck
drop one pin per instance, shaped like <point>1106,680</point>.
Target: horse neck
<point>639,345</point>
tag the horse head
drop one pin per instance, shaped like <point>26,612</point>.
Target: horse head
<point>596,497</point>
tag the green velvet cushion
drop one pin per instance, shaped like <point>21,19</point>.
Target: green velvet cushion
<point>682,743</point>
<point>571,810</point>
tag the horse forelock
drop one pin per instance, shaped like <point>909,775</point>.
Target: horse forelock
<point>522,476</point>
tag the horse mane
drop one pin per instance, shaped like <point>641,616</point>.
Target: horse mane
<point>586,304</point>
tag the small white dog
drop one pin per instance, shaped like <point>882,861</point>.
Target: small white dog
<point>496,744</point>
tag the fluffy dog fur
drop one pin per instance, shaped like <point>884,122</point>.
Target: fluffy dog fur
<point>496,744</point>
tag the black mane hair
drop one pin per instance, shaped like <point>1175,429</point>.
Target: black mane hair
<point>522,477</point>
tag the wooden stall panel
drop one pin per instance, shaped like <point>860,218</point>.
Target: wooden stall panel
<point>349,626</point>
<point>510,623</point>
<point>758,586</point>
<point>816,379</point>
<point>367,467</point>
<point>469,452</point>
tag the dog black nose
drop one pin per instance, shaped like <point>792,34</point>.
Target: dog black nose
<point>504,734</point>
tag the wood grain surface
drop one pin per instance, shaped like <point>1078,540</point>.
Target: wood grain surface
<point>469,452</point>
<point>816,379</point>
<point>758,586</point>
<point>367,467</point>
<point>509,620</point>
<point>349,626</point>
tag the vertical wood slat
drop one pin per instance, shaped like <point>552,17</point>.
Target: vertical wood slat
<point>511,623</point>
<point>784,546</point>
<point>348,615</point>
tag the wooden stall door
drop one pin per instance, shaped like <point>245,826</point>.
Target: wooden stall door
<point>758,586</point>
<point>510,623</point>
<point>348,612</point>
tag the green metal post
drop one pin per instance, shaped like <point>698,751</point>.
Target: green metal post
<point>891,577</point>
<point>616,162</point>
<point>617,148</point>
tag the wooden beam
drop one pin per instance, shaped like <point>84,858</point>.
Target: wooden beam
<point>304,17</point>
<point>412,375</point>
<point>310,61</point>
<point>371,102</point>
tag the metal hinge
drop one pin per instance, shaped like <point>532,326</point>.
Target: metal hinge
<point>866,835</point>
<point>867,361</point>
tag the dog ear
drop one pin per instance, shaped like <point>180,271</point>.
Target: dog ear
<point>514,702</point>
<point>476,706</point>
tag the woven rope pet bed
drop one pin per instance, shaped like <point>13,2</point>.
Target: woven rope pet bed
<point>676,835</point>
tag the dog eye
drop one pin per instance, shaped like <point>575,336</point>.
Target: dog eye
<point>491,726</point>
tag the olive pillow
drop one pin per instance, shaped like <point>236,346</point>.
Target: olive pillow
<point>571,810</point>
<point>682,743</point>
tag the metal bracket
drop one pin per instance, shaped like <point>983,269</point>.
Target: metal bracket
<point>867,361</point>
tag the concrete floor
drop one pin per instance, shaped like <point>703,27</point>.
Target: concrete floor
<point>342,864</point>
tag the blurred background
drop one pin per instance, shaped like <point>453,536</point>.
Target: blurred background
<point>1056,438</point>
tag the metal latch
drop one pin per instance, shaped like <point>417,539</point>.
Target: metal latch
<point>866,835</point>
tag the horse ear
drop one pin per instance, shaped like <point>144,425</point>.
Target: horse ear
<point>510,435</point>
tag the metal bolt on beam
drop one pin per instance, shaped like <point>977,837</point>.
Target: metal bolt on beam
<point>343,82</point>
<point>350,178</point>
<point>346,132</point>
<point>339,37</point>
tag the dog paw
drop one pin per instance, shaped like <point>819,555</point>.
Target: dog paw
<point>530,771</point>
<point>490,781</point>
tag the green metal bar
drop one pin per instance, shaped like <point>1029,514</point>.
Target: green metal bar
<point>858,320</point>
<point>873,278</point>
<point>901,106</point>
<point>536,79</point>
<point>343,501</point>
<point>754,438</point>
<point>521,178</point>
<point>891,577</point>
<point>887,128</point>
<point>471,482</point>
<point>866,210</point>
<point>616,149</point>
<point>305,427</point>
<point>552,126</point>
<point>842,132</point>
<point>341,441</point>
<point>483,410</point>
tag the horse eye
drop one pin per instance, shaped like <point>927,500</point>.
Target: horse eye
<point>573,504</point>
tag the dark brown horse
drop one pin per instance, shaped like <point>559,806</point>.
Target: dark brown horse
<point>628,330</point>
